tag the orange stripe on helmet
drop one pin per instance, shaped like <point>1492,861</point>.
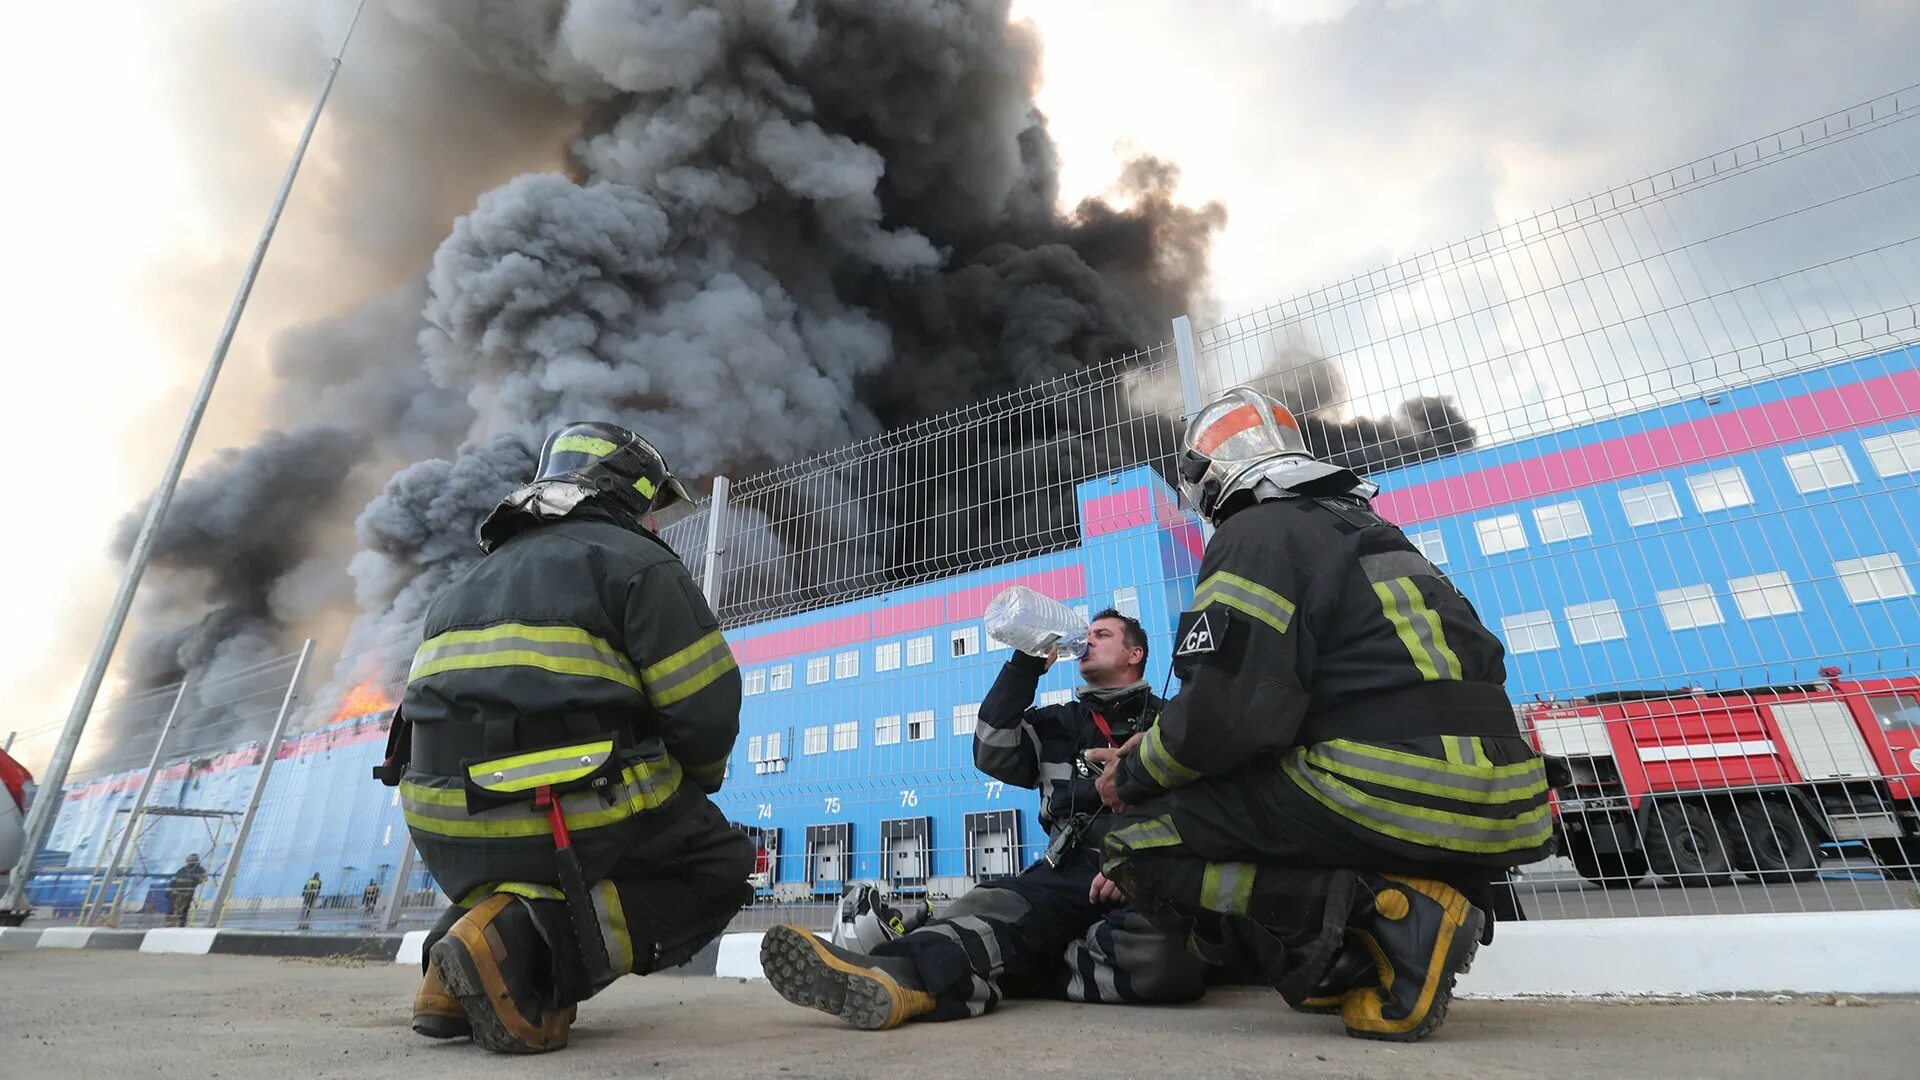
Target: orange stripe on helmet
<point>1244,418</point>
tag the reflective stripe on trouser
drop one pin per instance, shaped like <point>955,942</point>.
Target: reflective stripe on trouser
<point>1472,809</point>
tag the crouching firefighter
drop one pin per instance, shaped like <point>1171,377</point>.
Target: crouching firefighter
<point>1046,931</point>
<point>1340,782</point>
<point>570,709</point>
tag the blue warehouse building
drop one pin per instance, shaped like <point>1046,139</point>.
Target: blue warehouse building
<point>1752,536</point>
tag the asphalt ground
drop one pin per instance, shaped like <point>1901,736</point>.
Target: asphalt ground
<point>102,1013</point>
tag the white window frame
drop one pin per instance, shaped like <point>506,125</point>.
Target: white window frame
<point>1127,601</point>
<point>1690,607</point>
<point>1594,622</point>
<point>1431,544</point>
<point>1656,502</point>
<point>1500,534</point>
<point>780,677</point>
<point>1764,596</point>
<point>756,749</point>
<point>819,669</point>
<point>1529,632</point>
<point>1055,697</point>
<point>966,717</point>
<point>846,735</point>
<point>1896,453</point>
<point>1082,611</point>
<point>886,657</point>
<point>920,725</point>
<point>1562,521</point>
<point>964,642</point>
<point>1821,469</point>
<point>846,665</point>
<point>754,682</point>
<point>1872,578</point>
<point>920,650</point>
<point>814,740</point>
<point>773,747</point>
<point>886,730</point>
<point>1721,489</point>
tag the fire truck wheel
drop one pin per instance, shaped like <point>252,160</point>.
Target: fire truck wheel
<point>1770,842</point>
<point>1686,848</point>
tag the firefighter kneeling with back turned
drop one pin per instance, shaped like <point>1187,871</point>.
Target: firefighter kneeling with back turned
<point>1047,930</point>
<point>571,703</point>
<point>1340,782</point>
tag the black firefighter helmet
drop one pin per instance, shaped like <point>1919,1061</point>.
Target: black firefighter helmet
<point>617,465</point>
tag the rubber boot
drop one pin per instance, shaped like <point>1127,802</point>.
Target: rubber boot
<point>870,992</point>
<point>1353,969</point>
<point>1421,934</point>
<point>436,1013</point>
<point>492,961</point>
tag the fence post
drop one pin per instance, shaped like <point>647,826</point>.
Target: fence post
<point>133,815</point>
<point>716,527</point>
<point>271,748</point>
<point>1188,358</point>
<point>390,917</point>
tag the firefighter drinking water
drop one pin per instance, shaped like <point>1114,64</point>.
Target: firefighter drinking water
<point>568,713</point>
<point>1340,777</point>
<point>1045,931</point>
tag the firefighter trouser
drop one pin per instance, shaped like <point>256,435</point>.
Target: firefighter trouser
<point>663,901</point>
<point>1248,862</point>
<point>1038,935</point>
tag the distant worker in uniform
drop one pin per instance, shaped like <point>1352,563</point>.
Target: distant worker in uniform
<point>1340,781</point>
<point>181,887</point>
<point>370,897</point>
<point>1046,930</point>
<point>309,895</point>
<point>570,710</point>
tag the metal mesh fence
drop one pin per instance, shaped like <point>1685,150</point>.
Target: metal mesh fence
<point>1665,438</point>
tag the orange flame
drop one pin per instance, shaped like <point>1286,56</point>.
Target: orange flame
<point>364,699</point>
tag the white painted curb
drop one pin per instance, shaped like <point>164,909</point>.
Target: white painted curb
<point>1855,952</point>
<point>739,957</point>
<point>412,944</point>
<point>65,937</point>
<point>192,941</point>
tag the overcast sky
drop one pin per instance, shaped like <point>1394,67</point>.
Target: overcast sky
<point>1339,135</point>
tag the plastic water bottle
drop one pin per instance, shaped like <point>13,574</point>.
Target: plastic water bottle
<point>1035,623</point>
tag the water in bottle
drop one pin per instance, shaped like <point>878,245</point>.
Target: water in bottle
<point>1035,623</point>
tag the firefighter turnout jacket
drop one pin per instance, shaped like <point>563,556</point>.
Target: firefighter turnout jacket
<point>1321,642</point>
<point>1040,748</point>
<point>577,658</point>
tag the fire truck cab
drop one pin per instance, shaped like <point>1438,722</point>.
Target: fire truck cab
<point>1700,786</point>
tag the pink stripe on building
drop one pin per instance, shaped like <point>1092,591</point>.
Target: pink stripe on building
<point>905,618</point>
<point>1842,408</point>
<point>1121,510</point>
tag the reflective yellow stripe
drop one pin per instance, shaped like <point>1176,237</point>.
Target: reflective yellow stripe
<point>613,927</point>
<point>645,487</point>
<point>582,444</point>
<point>1483,773</point>
<point>1154,833</point>
<point>1436,783</point>
<point>528,889</point>
<point>1161,765</point>
<point>1451,743</point>
<point>1418,824</point>
<point>644,787</point>
<point>524,772</point>
<point>1245,594</point>
<point>688,671</point>
<point>1419,628</point>
<point>564,650</point>
<point>1227,887</point>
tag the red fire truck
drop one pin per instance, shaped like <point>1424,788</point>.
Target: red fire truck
<point>1700,786</point>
